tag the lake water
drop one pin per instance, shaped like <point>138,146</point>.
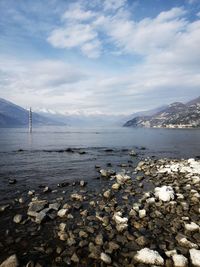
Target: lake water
<point>44,161</point>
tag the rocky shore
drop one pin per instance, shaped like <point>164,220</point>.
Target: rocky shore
<point>148,215</point>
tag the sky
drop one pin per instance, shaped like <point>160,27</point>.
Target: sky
<point>99,56</point>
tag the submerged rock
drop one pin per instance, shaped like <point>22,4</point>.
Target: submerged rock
<point>122,178</point>
<point>76,196</point>
<point>17,218</point>
<point>4,207</point>
<point>116,186</point>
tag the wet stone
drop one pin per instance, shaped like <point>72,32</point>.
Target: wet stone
<point>18,218</point>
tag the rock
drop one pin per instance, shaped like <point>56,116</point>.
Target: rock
<point>82,183</point>
<point>104,173</point>
<point>46,189</point>
<point>99,239</point>
<point>54,206</point>
<point>195,180</point>
<point>122,178</point>
<point>148,256</point>
<point>94,251</point>
<point>21,200</point>
<point>183,241</point>
<point>30,264</point>
<point>76,196</point>
<point>107,194</point>
<point>31,192</point>
<point>4,207</point>
<point>142,241</point>
<point>12,261</point>
<point>132,153</point>
<point>191,227</point>
<point>116,186</point>
<point>179,261</point>
<point>83,234</point>
<point>121,222</point>
<point>62,213</point>
<point>75,258</point>
<point>105,258</point>
<point>150,200</point>
<point>139,178</point>
<point>195,257</point>
<point>164,193</point>
<point>40,217</point>
<point>142,213</point>
<point>112,246</point>
<point>12,181</point>
<point>170,253</point>
<point>63,227</point>
<point>17,218</point>
<point>36,206</point>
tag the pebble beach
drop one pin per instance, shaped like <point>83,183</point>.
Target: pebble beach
<point>145,214</point>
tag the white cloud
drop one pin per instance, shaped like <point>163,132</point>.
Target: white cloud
<point>168,45</point>
<point>118,29</point>
<point>72,36</point>
<point>76,12</point>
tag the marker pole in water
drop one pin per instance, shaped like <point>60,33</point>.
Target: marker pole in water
<point>30,121</point>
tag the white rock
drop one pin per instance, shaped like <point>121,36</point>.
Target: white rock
<point>105,258</point>
<point>63,227</point>
<point>170,253</point>
<point>17,218</point>
<point>195,257</point>
<point>136,206</point>
<point>116,186</point>
<point>142,213</point>
<point>196,180</point>
<point>150,200</point>
<point>179,261</point>
<point>12,261</point>
<point>62,212</point>
<point>122,178</point>
<point>192,227</point>
<point>121,222</point>
<point>164,193</point>
<point>148,256</point>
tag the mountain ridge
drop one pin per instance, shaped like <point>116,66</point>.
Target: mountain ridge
<point>175,115</point>
<point>12,115</point>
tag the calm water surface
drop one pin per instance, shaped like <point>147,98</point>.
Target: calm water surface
<point>43,161</point>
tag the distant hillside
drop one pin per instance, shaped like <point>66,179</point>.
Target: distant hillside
<point>176,115</point>
<point>12,115</point>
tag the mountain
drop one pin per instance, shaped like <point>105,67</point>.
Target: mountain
<point>85,120</point>
<point>12,115</point>
<point>175,115</point>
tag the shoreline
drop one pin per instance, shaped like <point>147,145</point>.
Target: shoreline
<point>118,224</point>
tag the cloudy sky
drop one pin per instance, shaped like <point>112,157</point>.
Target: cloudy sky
<point>99,56</point>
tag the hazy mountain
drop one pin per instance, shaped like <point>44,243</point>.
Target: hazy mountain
<point>85,120</point>
<point>12,115</point>
<point>175,115</point>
